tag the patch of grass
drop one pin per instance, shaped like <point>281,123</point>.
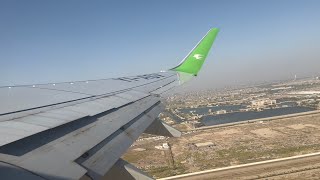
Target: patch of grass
<point>243,155</point>
<point>290,151</point>
<point>160,172</point>
<point>133,157</point>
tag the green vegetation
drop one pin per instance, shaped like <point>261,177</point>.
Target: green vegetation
<point>134,156</point>
<point>243,155</point>
<point>166,171</point>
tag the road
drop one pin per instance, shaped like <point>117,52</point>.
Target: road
<point>278,168</point>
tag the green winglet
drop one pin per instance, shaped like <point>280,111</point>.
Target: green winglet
<point>192,63</point>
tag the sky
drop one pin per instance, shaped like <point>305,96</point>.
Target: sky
<point>52,41</point>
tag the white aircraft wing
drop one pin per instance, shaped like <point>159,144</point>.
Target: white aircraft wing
<point>75,130</point>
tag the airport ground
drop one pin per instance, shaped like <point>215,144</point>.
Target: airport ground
<point>234,145</point>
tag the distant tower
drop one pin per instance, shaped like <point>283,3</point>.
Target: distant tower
<point>295,77</point>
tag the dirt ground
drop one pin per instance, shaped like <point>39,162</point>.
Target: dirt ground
<point>233,145</point>
<point>309,174</point>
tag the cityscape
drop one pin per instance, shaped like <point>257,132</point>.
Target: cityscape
<point>234,126</point>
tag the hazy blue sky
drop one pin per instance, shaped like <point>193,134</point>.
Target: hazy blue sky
<point>43,41</point>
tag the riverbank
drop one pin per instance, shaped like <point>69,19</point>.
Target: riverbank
<point>261,120</point>
<point>251,115</point>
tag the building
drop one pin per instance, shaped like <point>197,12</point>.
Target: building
<point>263,103</point>
<point>139,149</point>
<point>205,144</point>
<point>222,112</point>
<point>165,146</point>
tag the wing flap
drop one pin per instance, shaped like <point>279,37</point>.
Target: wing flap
<point>50,119</point>
<point>12,130</point>
<point>105,155</point>
<point>92,139</point>
<point>42,121</point>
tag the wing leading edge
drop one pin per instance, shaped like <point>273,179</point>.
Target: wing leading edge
<point>80,129</point>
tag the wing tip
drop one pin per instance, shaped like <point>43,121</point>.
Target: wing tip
<point>192,63</point>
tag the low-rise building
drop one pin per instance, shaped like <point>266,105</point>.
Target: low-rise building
<point>165,146</point>
<point>263,102</point>
<point>204,144</point>
<point>221,112</point>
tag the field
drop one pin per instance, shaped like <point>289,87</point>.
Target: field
<point>233,145</point>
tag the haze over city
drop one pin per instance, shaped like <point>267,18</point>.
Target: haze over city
<point>78,40</point>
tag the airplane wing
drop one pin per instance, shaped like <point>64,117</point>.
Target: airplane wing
<point>75,130</point>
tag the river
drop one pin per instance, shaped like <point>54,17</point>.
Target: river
<point>210,120</point>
